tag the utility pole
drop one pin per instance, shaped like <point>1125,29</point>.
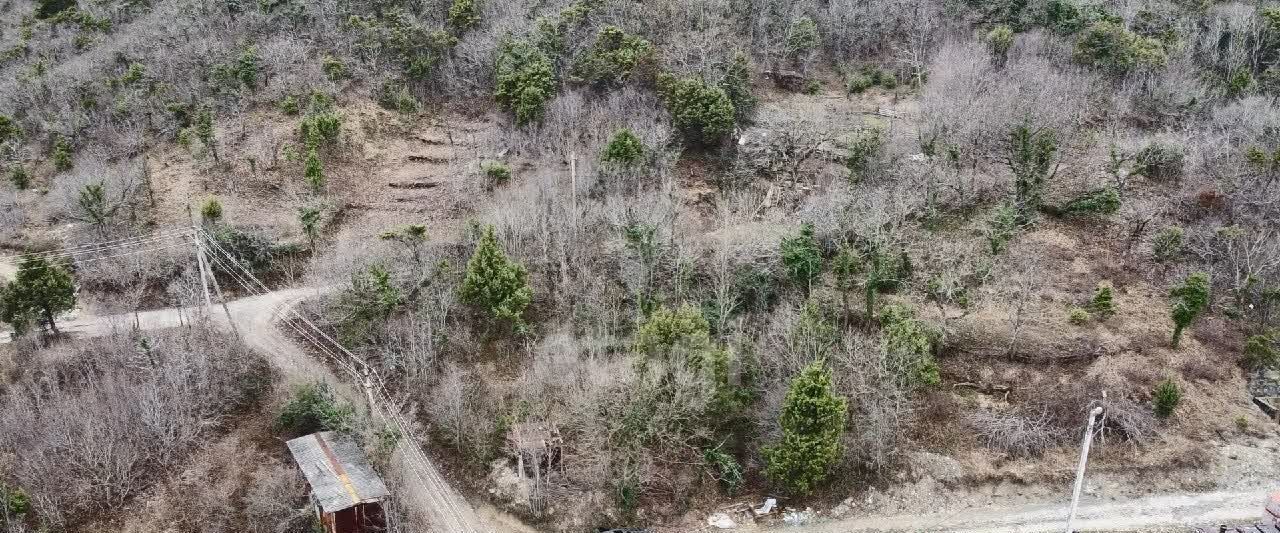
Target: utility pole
<point>1084,460</point>
<point>200,259</point>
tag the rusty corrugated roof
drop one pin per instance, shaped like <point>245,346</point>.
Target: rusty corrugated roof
<point>336,468</point>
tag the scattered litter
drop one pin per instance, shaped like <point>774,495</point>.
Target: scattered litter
<point>769,504</point>
<point>796,518</point>
<point>721,521</point>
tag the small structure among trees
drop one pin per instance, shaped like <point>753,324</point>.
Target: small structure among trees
<point>344,488</point>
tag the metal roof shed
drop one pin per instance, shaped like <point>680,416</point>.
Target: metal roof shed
<point>347,493</point>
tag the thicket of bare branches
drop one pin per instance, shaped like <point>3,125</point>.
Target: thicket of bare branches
<point>88,433</point>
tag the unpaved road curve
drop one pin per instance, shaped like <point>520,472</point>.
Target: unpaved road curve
<point>1157,512</point>
<point>432,499</point>
<point>420,486</point>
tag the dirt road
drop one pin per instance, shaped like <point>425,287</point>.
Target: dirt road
<point>420,485</point>
<point>429,496</point>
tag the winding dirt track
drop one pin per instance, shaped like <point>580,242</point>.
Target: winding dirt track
<point>420,486</point>
<point>426,493</point>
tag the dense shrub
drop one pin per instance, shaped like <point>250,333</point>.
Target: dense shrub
<point>396,97</point>
<point>19,177</point>
<point>464,15</point>
<point>334,69</point>
<point>1031,156</point>
<point>908,345</point>
<point>211,210</point>
<point>1260,352</point>
<point>624,149</point>
<point>61,154</point>
<point>1078,316</point>
<point>1190,299</point>
<point>812,419</point>
<point>525,80</point>
<point>395,35</point>
<point>1166,398</point>
<point>1104,201</point>
<point>614,58</point>
<point>1001,228</point>
<point>703,114</point>
<point>367,304</point>
<point>50,8</point>
<point>1167,244</point>
<point>313,408</point>
<point>496,171</point>
<point>313,171</point>
<point>1103,302</point>
<point>802,38</point>
<point>681,334</point>
<point>999,40</point>
<point>1159,161</point>
<point>737,86</point>
<point>1108,45</point>
<point>864,147</point>
<point>9,129</point>
<point>802,257</point>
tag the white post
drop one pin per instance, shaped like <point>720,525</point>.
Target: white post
<point>1084,460</point>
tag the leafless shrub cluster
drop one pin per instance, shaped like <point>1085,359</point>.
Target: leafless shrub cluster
<point>91,432</point>
<point>1017,434</point>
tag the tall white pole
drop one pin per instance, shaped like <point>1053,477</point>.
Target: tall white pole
<point>1084,460</point>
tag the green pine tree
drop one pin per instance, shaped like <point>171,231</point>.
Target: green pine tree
<point>496,284</point>
<point>802,257</point>
<point>812,419</point>
<point>40,292</point>
<point>204,131</point>
<point>1103,303</point>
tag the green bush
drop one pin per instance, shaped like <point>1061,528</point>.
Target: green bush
<point>211,210</point>
<point>614,57</point>
<point>50,8</point>
<point>496,171</point>
<point>1166,398</point>
<point>908,343</point>
<point>314,171</point>
<point>335,69</point>
<point>496,284</point>
<point>1190,299</point>
<point>525,80</point>
<point>1001,228</point>
<point>1031,156</point>
<point>313,408</point>
<point>802,38</point>
<point>1167,244</point>
<point>737,86</point>
<point>624,149</point>
<point>703,113</point>
<point>1108,45</point>
<point>19,177</point>
<point>724,468</point>
<point>1078,316</point>
<point>396,97</point>
<point>464,15</point>
<point>61,154</point>
<point>320,128</point>
<point>1260,352</point>
<point>863,148</point>
<point>15,502</point>
<point>1159,161</point>
<point>9,129</point>
<point>802,257</point>
<point>858,83</point>
<point>1103,302</point>
<point>368,303</point>
<point>999,40</point>
<point>668,333</point>
<point>812,420</point>
<point>1104,201</point>
<point>289,105</point>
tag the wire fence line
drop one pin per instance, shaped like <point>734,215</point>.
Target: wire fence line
<point>446,507</point>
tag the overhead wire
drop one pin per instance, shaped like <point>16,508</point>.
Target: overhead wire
<point>370,379</point>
